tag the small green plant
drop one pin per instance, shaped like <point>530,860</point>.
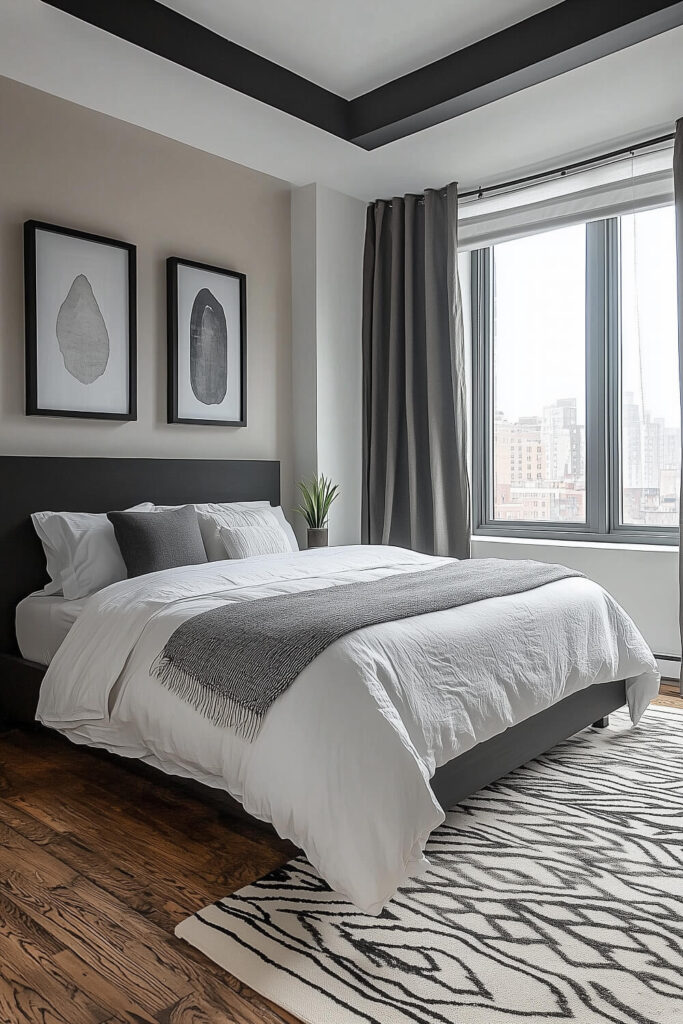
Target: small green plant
<point>317,496</point>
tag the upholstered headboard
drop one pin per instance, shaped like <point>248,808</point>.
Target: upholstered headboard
<point>31,484</point>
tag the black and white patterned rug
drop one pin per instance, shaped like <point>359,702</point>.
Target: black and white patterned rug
<point>554,895</point>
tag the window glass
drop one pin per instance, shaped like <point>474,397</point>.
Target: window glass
<point>650,443</point>
<point>539,377</point>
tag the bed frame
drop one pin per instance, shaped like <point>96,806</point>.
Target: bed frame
<point>34,483</point>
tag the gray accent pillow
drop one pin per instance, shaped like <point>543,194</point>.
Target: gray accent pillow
<point>150,541</point>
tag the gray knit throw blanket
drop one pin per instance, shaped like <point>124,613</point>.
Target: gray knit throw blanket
<point>233,662</point>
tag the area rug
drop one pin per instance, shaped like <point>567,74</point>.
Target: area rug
<point>555,894</point>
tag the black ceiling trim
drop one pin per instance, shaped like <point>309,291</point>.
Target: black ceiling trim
<point>157,28</point>
<point>559,39</point>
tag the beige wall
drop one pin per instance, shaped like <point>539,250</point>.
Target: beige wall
<point>70,166</point>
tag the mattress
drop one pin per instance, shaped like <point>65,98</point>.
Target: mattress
<point>42,622</point>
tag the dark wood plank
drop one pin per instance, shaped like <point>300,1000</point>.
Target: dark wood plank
<point>126,1018</point>
<point>19,856</point>
<point>29,966</point>
<point>204,1007</point>
<point>97,866</point>
<point>215,849</point>
<point>185,872</point>
<point>100,989</point>
<point>670,695</point>
<point>27,826</point>
<point>138,851</point>
<point>80,919</point>
<point>21,1004</point>
<point>196,809</point>
<point>16,923</point>
<point>203,813</point>
<point>19,768</point>
<point>143,895</point>
<point>669,702</point>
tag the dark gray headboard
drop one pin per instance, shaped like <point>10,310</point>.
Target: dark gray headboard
<point>31,484</point>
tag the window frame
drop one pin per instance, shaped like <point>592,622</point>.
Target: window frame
<point>603,405</point>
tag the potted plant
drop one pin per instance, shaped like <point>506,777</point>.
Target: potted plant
<point>317,497</point>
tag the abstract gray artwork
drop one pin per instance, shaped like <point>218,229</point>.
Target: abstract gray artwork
<point>80,292</point>
<point>206,344</point>
<point>208,349</point>
<point>82,333</point>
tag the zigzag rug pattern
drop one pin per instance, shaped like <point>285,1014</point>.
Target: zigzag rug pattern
<point>555,894</point>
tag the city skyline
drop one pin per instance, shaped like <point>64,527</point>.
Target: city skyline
<point>541,374</point>
<point>540,465</point>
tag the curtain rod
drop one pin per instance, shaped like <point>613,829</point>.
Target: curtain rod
<point>479,192</point>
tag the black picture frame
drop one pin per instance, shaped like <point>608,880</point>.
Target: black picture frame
<point>174,264</point>
<point>33,408</point>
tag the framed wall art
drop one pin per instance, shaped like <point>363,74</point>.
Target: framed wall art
<point>207,333</point>
<point>80,292</point>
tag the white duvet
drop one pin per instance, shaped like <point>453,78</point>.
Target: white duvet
<point>342,763</point>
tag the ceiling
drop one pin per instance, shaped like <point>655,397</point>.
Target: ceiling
<point>621,98</point>
<point>352,46</point>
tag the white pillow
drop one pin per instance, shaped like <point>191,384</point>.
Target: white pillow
<point>285,526</point>
<point>264,537</point>
<point>81,551</point>
<point>238,513</point>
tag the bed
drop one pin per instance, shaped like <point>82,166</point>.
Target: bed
<point>348,764</point>
<point>42,623</point>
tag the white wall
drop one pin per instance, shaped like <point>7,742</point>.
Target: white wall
<point>304,339</point>
<point>327,247</point>
<point>642,578</point>
<point>340,233</point>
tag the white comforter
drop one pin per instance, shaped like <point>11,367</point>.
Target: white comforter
<point>342,763</point>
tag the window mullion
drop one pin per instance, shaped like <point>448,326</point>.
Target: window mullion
<point>481,375</point>
<point>613,371</point>
<point>597,458</point>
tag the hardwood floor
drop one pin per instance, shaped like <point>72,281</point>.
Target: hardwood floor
<point>97,866</point>
<point>670,695</point>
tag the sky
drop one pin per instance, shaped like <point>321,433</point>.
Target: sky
<point>649,318</point>
<point>539,353</point>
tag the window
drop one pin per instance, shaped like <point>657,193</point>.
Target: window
<point>649,399</point>
<point>577,416</point>
<point>539,378</point>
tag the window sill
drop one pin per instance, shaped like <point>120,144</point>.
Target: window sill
<point>603,545</point>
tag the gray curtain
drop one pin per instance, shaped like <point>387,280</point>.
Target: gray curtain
<point>415,482</point>
<point>678,193</point>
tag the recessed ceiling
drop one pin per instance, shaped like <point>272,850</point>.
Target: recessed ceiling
<point>352,46</point>
<point>622,98</point>
<point>551,42</point>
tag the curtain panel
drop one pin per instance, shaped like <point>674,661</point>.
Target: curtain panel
<point>415,481</point>
<point>678,198</point>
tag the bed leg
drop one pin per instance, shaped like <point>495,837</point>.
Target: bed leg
<point>601,723</point>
